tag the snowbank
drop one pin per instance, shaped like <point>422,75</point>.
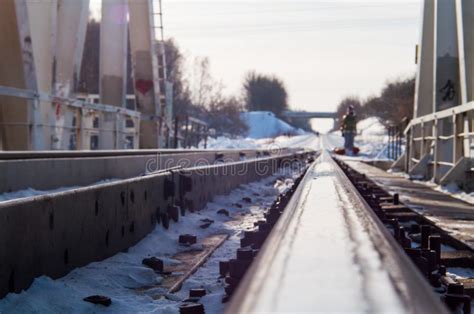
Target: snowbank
<point>264,127</point>
<point>372,138</point>
<point>264,124</point>
<point>223,142</point>
<point>371,127</point>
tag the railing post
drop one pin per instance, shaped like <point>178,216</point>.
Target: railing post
<point>176,128</point>
<point>436,148</point>
<point>467,136</point>
<point>455,139</point>
<point>395,142</point>
<point>409,150</point>
<point>390,142</point>
<point>186,132</point>
<point>423,143</point>
<point>117,132</point>
<point>400,135</point>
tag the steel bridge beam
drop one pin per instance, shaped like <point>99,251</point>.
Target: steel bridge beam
<point>17,69</point>
<point>113,69</point>
<point>142,36</point>
<point>72,17</point>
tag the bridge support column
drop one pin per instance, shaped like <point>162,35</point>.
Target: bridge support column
<point>72,17</point>
<point>42,20</point>
<point>467,26</point>
<point>17,69</point>
<point>425,76</point>
<point>145,63</point>
<point>113,70</point>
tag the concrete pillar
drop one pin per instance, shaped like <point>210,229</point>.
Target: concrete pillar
<point>425,74</point>
<point>145,72</point>
<point>113,68</point>
<point>17,69</point>
<point>447,84</point>
<point>468,26</point>
<point>42,17</point>
<point>72,17</point>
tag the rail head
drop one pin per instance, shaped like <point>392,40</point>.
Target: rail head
<point>414,294</point>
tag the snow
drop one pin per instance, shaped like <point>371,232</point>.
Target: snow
<point>460,273</point>
<point>223,142</point>
<point>264,124</point>
<point>307,140</point>
<point>371,138</point>
<point>127,282</point>
<point>454,190</point>
<point>264,127</point>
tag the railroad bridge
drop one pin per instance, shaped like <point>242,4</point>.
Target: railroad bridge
<point>149,228</point>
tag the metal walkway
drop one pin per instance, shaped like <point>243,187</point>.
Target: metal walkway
<point>448,213</point>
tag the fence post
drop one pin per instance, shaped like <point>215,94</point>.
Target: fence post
<point>455,139</point>
<point>390,142</point>
<point>186,133</point>
<point>409,149</point>
<point>176,126</point>
<point>436,147</point>
<point>400,136</point>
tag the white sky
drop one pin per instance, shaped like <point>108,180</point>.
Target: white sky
<point>323,50</point>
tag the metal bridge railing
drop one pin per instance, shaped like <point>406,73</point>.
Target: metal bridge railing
<point>189,132</point>
<point>396,139</point>
<point>69,124</point>
<point>438,141</point>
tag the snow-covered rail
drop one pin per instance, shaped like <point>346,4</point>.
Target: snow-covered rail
<point>329,252</point>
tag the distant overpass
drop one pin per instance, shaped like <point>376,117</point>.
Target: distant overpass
<point>309,115</point>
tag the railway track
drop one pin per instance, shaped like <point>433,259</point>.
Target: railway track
<point>69,229</point>
<point>330,252</point>
<point>335,235</point>
<point>45,171</point>
<point>440,258</point>
<point>25,155</point>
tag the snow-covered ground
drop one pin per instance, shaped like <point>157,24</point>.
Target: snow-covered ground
<point>264,124</point>
<point>451,189</point>
<point>122,276</point>
<point>264,127</point>
<point>372,139</point>
<point>307,140</point>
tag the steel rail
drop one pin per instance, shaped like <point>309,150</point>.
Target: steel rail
<point>8,155</point>
<point>258,292</point>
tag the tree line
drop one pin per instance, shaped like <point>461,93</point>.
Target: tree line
<point>391,106</point>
